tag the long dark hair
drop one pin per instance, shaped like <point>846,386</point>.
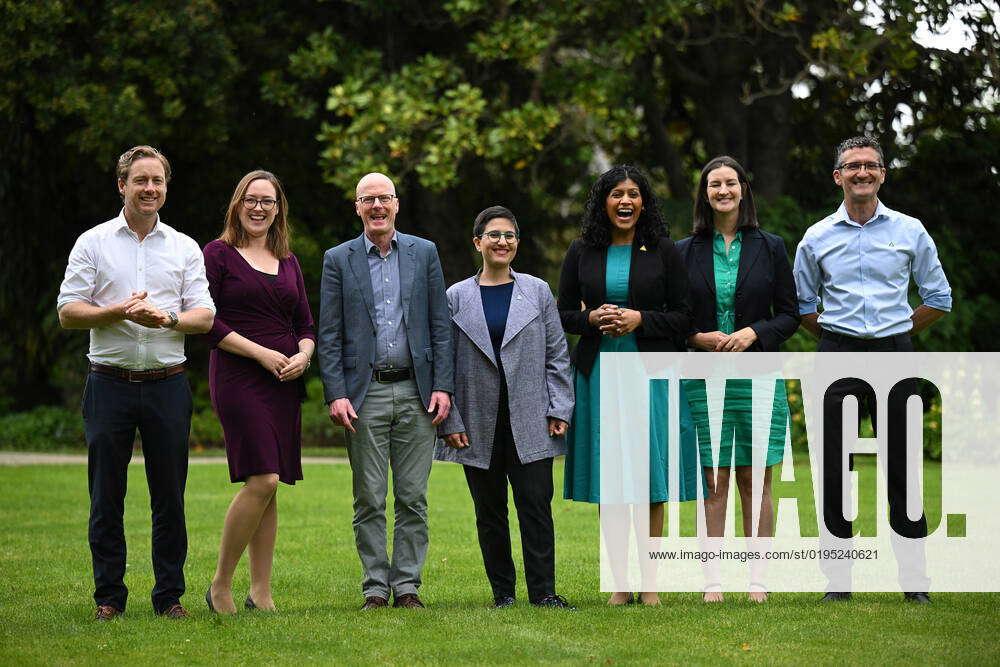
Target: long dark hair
<point>704,216</point>
<point>595,228</point>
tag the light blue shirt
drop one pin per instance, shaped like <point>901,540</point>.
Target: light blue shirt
<point>861,273</point>
<point>392,350</point>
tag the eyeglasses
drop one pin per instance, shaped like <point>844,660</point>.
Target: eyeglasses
<point>265,204</point>
<point>369,200</point>
<point>495,236</point>
<point>853,167</point>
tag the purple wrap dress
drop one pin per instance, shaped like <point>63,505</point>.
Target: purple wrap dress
<point>260,416</point>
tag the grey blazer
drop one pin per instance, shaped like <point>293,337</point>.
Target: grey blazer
<point>536,365</point>
<point>345,338</point>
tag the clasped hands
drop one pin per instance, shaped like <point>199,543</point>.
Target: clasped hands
<point>716,341</point>
<point>137,309</point>
<point>615,321</point>
<point>282,367</point>
<point>557,427</point>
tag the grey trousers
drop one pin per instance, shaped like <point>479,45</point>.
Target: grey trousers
<point>394,432</point>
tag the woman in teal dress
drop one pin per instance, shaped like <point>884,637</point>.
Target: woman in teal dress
<point>743,297</point>
<point>623,288</point>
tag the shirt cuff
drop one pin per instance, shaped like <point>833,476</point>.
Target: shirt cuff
<point>939,303</point>
<point>807,308</point>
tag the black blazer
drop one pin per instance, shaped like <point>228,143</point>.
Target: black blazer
<point>765,288</point>
<point>657,288</point>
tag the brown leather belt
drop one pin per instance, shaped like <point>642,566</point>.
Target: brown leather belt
<point>389,375</point>
<point>137,376</point>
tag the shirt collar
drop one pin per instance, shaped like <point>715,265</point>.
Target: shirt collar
<point>393,243</point>
<point>717,236</point>
<point>122,224</point>
<point>881,211</point>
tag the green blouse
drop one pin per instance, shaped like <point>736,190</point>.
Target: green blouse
<point>726,268</point>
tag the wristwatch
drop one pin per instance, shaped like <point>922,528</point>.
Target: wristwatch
<point>173,319</point>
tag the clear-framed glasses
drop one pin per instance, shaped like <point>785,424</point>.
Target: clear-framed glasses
<point>369,200</point>
<point>854,167</point>
<point>265,204</point>
<point>495,236</point>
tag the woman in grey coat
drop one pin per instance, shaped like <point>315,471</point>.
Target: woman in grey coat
<point>512,405</point>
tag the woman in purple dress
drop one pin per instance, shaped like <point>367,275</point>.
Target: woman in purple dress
<point>262,342</point>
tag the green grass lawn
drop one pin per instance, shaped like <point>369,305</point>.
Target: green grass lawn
<point>46,607</point>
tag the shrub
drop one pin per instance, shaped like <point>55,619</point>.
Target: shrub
<point>46,428</point>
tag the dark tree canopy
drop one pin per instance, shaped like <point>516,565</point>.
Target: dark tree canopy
<point>468,103</point>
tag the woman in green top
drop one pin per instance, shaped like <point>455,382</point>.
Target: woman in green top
<point>743,299</point>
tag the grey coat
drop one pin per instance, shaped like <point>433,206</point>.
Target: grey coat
<point>345,339</point>
<point>535,362</point>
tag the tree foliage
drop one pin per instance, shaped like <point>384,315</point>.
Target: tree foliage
<point>468,103</point>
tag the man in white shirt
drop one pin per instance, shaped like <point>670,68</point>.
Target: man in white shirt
<point>139,286</point>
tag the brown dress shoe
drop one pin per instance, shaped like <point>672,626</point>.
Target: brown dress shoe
<point>408,601</point>
<point>175,611</point>
<point>374,602</point>
<point>106,612</point>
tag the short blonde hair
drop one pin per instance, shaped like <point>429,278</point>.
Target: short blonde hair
<point>126,159</point>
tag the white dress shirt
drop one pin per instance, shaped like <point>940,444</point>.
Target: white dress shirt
<point>109,262</point>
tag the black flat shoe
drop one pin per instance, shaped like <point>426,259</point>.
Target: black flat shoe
<point>555,601</point>
<point>249,603</point>
<point>919,598</point>
<point>835,596</point>
<point>503,602</point>
<point>208,600</point>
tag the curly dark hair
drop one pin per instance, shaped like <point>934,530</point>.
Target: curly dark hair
<point>704,218</point>
<point>595,228</point>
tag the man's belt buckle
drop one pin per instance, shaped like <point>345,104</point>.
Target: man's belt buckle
<point>129,377</point>
<point>390,375</point>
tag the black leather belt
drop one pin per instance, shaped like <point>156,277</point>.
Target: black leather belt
<point>842,338</point>
<point>390,375</point>
<point>137,376</point>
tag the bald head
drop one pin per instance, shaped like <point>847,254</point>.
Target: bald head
<point>378,217</point>
<point>375,180</point>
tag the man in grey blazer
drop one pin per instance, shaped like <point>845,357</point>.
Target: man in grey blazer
<point>386,360</point>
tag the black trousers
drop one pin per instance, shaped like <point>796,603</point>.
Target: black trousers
<point>833,513</point>
<point>532,487</point>
<point>113,409</point>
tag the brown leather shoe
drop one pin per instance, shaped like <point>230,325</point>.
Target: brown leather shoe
<point>106,612</point>
<point>374,602</point>
<point>408,601</point>
<point>175,611</point>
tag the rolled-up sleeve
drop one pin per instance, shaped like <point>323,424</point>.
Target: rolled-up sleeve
<point>195,292</point>
<point>81,271</point>
<point>807,278</point>
<point>932,285</point>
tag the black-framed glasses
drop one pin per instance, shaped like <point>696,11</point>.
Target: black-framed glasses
<point>369,200</point>
<point>265,204</point>
<point>854,167</point>
<point>495,236</point>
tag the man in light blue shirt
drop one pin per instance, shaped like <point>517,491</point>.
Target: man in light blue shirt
<point>858,263</point>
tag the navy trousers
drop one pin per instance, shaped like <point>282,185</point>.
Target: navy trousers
<point>113,409</point>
